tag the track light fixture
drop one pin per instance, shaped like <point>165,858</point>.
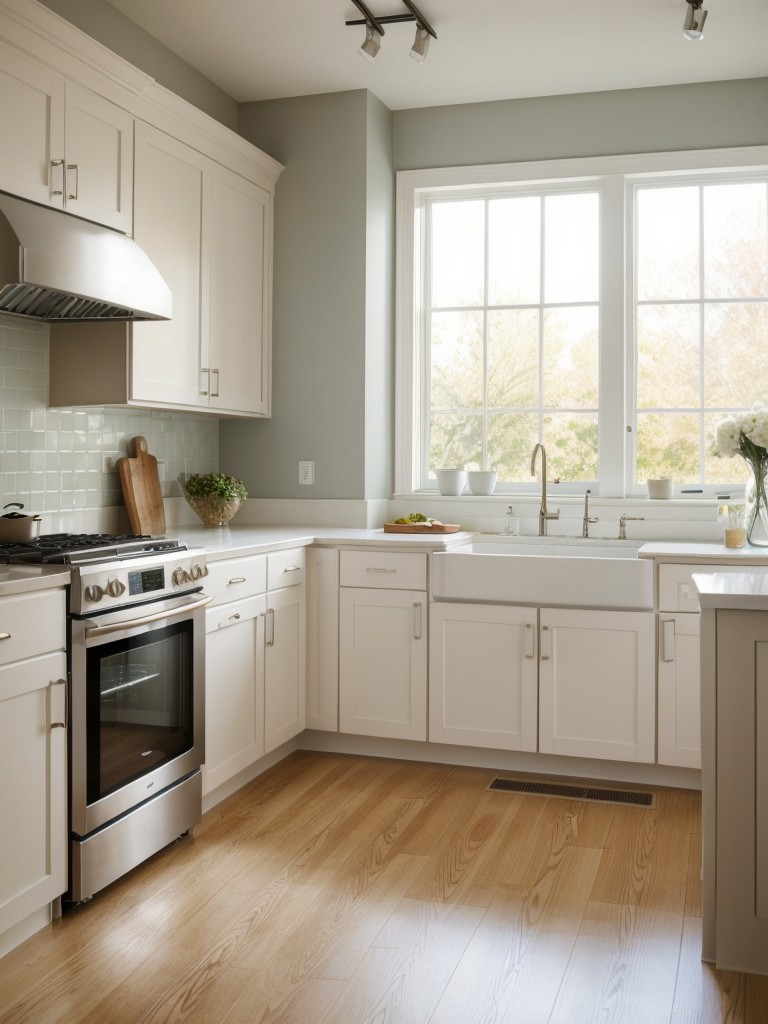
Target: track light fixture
<point>374,30</point>
<point>693,27</point>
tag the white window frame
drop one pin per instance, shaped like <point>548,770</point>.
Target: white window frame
<point>615,176</point>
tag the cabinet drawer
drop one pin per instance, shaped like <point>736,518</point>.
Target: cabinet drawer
<point>676,591</point>
<point>236,578</point>
<point>388,570</point>
<point>285,568</point>
<point>31,624</point>
<point>224,615</point>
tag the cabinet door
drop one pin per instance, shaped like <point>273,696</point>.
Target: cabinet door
<point>33,797</point>
<point>237,232</point>
<point>383,663</point>
<point>32,129</point>
<point>234,689</point>
<point>483,679</point>
<point>99,159</point>
<point>679,690</point>
<point>167,215</point>
<point>741,884</point>
<point>284,666</point>
<point>597,684</point>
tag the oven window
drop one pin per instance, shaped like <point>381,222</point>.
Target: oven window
<point>139,706</point>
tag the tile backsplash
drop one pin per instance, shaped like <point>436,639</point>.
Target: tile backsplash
<point>64,459</point>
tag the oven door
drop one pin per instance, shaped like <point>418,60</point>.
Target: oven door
<point>137,708</point>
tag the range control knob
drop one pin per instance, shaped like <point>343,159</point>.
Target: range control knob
<point>115,587</point>
<point>195,571</point>
<point>93,592</point>
<point>180,576</point>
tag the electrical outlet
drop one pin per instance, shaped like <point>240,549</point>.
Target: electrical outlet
<point>306,472</point>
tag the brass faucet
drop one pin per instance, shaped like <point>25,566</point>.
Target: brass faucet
<point>544,514</point>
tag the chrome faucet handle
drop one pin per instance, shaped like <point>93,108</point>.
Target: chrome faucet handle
<point>623,520</point>
<point>586,521</point>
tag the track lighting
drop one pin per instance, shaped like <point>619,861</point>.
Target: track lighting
<point>693,27</point>
<point>374,30</point>
<point>370,47</point>
<point>420,45</point>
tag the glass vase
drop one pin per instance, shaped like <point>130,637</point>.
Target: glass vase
<point>756,505</point>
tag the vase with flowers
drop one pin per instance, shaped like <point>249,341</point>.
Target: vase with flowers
<point>215,497</point>
<point>747,436</point>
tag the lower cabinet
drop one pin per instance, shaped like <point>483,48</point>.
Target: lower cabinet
<point>234,689</point>
<point>33,766</point>
<point>255,677</point>
<point>483,679</point>
<point>383,662</point>
<point>597,684</point>
<point>679,686</point>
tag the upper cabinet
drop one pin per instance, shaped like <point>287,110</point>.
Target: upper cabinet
<point>65,146</point>
<point>208,231</point>
<point>86,132</point>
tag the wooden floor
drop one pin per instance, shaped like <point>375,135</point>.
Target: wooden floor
<point>344,890</point>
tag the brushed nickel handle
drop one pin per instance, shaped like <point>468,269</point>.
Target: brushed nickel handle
<point>237,579</point>
<point>546,643</point>
<point>215,394</point>
<point>668,640</point>
<point>416,620</point>
<point>529,648</point>
<point>271,628</point>
<point>76,169</point>
<point>291,568</point>
<point>205,384</point>
<point>5,636</point>
<point>54,165</point>
<point>61,725</point>
<point>382,570</point>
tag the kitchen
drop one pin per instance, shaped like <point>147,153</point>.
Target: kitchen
<point>66,456</point>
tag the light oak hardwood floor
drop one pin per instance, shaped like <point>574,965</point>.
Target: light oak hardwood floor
<point>349,890</point>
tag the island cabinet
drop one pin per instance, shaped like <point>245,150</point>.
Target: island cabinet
<point>736,788</point>
<point>64,146</point>
<point>33,754</point>
<point>383,644</point>
<point>255,660</point>
<point>483,679</point>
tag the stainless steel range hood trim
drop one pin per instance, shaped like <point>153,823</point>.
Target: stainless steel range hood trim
<point>59,268</point>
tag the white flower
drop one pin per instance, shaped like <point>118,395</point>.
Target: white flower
<point>727,442</point>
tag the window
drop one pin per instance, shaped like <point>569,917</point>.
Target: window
<point>613,309</point>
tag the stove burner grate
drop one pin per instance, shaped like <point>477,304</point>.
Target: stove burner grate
<point>62,548</point>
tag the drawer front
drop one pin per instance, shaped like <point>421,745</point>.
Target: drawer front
<point>236,578</point>
<point>387,570</point>
<point>286,568</point>
<point>676,591</point>
<point>32,624</point>
<point>224,615</point>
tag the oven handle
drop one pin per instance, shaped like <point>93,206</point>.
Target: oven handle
<point>116,627</point>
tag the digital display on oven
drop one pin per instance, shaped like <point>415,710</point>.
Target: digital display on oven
<point>146,580</point>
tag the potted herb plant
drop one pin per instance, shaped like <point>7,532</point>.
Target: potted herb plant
<point>214,497</point>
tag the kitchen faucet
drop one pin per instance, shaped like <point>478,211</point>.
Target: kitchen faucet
<point>544,513</point>
<point>586,520</point>
<point>623,524</point>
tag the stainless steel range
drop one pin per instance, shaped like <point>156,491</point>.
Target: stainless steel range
<point>136,714</point>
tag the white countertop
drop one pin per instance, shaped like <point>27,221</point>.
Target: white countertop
<point>20,579</point>
<point>700,551</point>
<point>746,590</point>
<point>236,541</point>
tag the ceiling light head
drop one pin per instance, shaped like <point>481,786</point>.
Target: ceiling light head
<point>370,47</point>
<point>693,27</point>
<point>420,46</point>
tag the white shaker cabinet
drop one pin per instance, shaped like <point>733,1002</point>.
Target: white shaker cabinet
<point>383,644</point>
<point>64,145</point>
<point>597,684</point>
<point>483,675</point>
<point>33,754</point>
<point>679,691</point>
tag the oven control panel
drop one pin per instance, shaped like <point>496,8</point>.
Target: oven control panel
<point>104,585</point>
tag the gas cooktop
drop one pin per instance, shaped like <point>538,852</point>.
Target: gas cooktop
<point>71,548</point>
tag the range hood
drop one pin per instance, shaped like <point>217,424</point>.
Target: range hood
<point>57,267</point>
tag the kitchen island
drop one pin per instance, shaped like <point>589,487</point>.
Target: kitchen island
<point>734,695</point>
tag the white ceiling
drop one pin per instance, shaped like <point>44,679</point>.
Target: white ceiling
<point>485,50</point>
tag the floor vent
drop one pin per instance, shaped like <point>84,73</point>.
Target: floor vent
<point>611,796</point>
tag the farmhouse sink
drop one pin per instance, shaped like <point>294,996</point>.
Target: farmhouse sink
<point>554,571</point>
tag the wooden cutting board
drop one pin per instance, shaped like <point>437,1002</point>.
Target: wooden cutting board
<point>141,489</point>
<point>421,528</point>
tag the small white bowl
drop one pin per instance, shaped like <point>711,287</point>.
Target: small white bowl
<point>481,481</point>
<point>662,487</point>
<point>451,481</point>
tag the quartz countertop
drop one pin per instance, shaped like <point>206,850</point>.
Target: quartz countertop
<point>701,551</point>
<point>236,541</point>
<point>746,590</point>
<point>20,579</point>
